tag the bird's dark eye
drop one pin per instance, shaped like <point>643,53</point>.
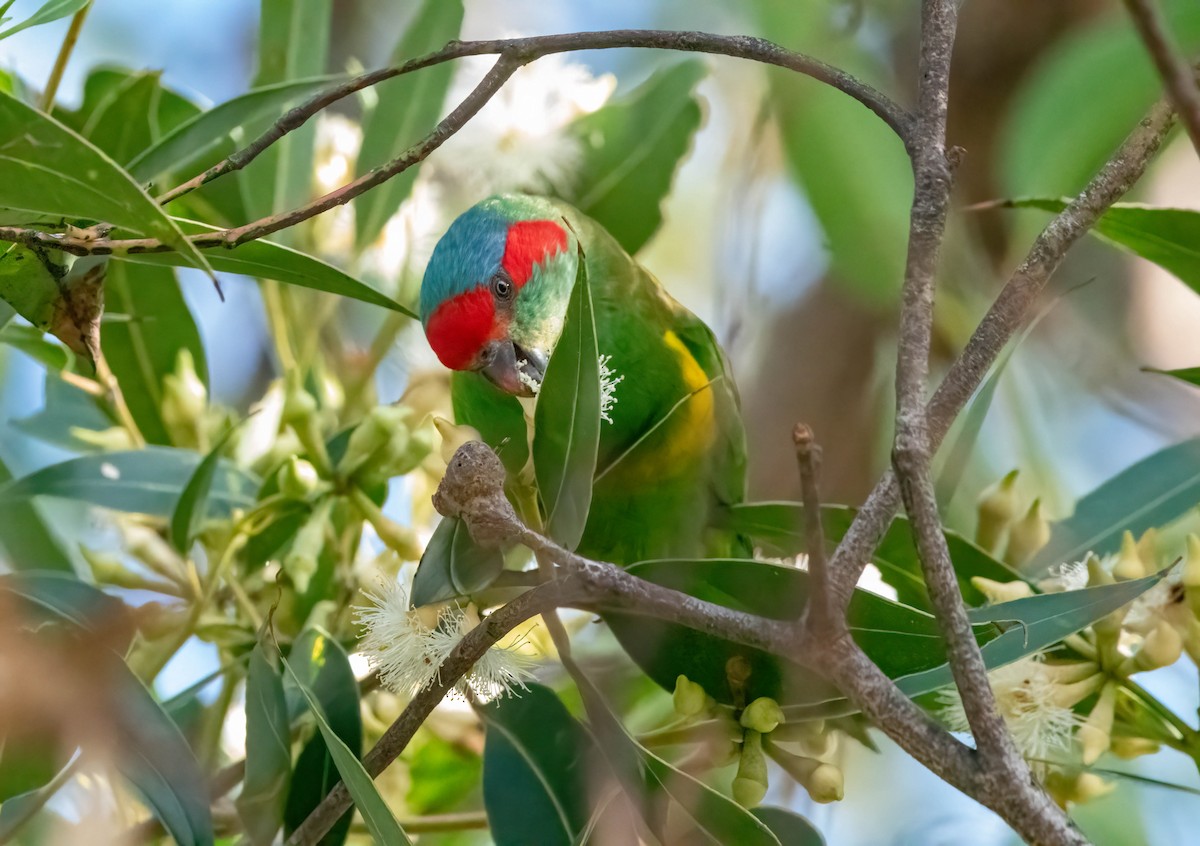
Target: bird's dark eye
<point>502,287</point>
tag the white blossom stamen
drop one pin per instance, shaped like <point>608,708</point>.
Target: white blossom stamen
<point>1030,698</point>
<point>407,654</point>
<point>608,387</point>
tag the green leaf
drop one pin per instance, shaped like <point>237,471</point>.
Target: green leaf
<point>147,481</point>
<point>65,302</point>
<point>1034,624</point>
<point>536,770</point>
<point>67,412</point>
<point>375,812</point>
<point>33,342</point>
<point>899,639</point>
<point>321,664</point>
<point>293,44</point>
<point>28,284</point>
<point>1150,493</point>
<point>144,348</point>
<point>267,260</point>
<point>26,540</point>
<point>407,109</point>
<point>441,773</point>
<point>155,758</point>
<point>453,565</point>
<point>192,144</point>
<point>1080,101</point>
<point>905,643</point>
<point>632,148</point>
<point>779,528</point>
<point>1191,375</point>
<point>192,508</point>
<point>1168,237</point>
<point>566,432</point>
<point>128,121</point>
<point>62,598</point>
<point>791,828</point>
<point>51,170</point>
<point>268,750</point>
<point>51,10</point>
<point>852,168</point>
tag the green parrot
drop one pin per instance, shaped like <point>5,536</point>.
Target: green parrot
<point>493,301</point>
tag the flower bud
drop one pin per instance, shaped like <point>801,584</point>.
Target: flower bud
<point>298,405</point>
<point>997,592</point>
<point>112,439</point>
<point>301,561</point>
<point>689,697</point>
<point>811,738</point>
<point>1161,648</point>
<point>402,453</point>
<point>184,400</point>
<point>107,569</point>
<point>1129,563</point>
<point>762,715</point>
<point>1128,748</point>
<point>382,425</point>
<point>1027,536</point>
<point>1147,547</point>
<point>997,506</point>
<point>297,478</point>
<point>453,436</point>
<point>1097,575</point>
<point>1095,735</point>
<point>824,782</point>
<point>750,783</point>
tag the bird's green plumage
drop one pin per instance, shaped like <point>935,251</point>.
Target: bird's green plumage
<point>660,497</point>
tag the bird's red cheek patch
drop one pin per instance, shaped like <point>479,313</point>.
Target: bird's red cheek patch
<point>460,327</point>
<point>529,242</point>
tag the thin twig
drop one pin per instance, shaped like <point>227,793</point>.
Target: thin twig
<point>808,461</point>
<point>513,53</point>
<point>64,55</point>
<point>1178,76</point>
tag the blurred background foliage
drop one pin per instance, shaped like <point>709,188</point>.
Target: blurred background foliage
<point>783,225</point>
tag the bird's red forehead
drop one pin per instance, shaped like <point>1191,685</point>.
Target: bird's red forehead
<point>460,326</point>
<point>530,242</point>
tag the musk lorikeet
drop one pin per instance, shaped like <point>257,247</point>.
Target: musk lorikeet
<point>493,302</point>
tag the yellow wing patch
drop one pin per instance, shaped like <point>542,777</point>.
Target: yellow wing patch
<point>685,435</point>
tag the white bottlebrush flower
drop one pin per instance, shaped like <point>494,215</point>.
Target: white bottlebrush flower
<point>525,379</point>
<point>336,150</point>
<point>516,141</point>
<point>407,653</point>
<point>1035,705</point>
<point>608,388</point>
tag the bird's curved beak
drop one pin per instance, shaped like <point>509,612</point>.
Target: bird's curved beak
<point>514,369</point>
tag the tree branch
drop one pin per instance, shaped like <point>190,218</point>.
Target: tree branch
<point>513,53</point>
<point>1006,315</point>
<point>1178,76</point>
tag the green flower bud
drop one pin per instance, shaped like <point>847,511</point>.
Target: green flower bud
<point>1128,748</point>
<point>297,478</point>
<point>762,715</point>
<point>300,562</point>
<point>107,569</point>
<point>689,698</point>
<point>1129,564</point>
<point>1161,648</point>
<point>812,738</point>
<point>454,436</point>
<point>1147,548</point>
<point>997,592</point>
<point>1191,563</point>
<point>997,506</point>
<point>1027,536</point>
<point>184,401</point>
<point>824,782</point>
<point>298,405</point>
<point>1097,575</point>
<point>1095,735</point>
<point>382,425</point>
<point>750,783</point>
